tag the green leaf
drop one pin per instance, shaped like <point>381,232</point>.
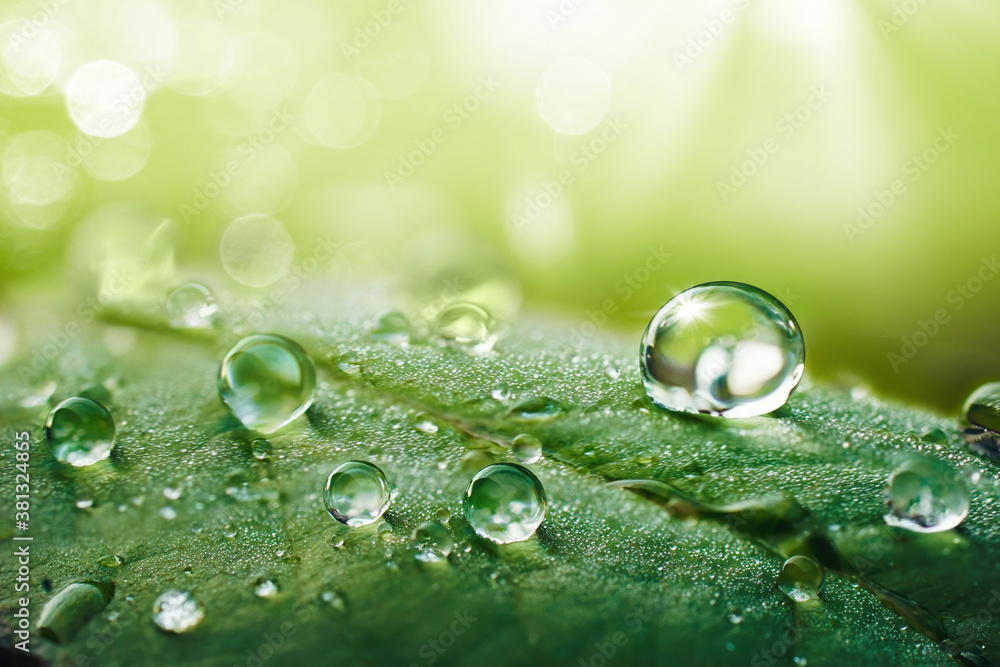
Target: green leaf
<point>661,545</point>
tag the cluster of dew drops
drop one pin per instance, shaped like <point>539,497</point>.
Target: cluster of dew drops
<point>723,348</point>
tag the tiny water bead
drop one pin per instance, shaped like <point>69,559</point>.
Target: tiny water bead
<point>504,503</point>
<point>80,431</point>
<point>467,324</point>
<point>723,348</point>
<point>801,578</point>
<point>982,407</point>
<point>432,542</point>
<point>526,448</point>
<point>177,612</point>
<point>266,381</point>
<point>191,306</point>
<point>260,449</point>
<point>357,493</point>
<point>925,497</point>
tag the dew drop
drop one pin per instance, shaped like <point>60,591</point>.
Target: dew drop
<point>431,542</point>
<point>357,493</point>
<point>266,381</point>
<point>443,515</point>
<point>392,328</point>
<point>526,448</point>
<point>80,431</point>
<point>725,349</point>
<point>266,589</point>
<point>111,560</point>
<point>467,324</point>
<point>191,306</point>
<point>925,497</point>
<point>334,598</point>
<point>982,407</point>
<point>500,392</point>
<point>260,449</point>
<point>228,530</point>
<point>504,503</point>
<point>801,578</point>
<point>536,409</point>
<point>72,608</point>
<point>177,612</point>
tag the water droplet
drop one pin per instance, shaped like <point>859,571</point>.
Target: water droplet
<point>334,598</point>
<point>168,513</point>
<point>111,560</point>
<point>266,381</point>
<point>535,409</point>
<point>982,407</point>
<point>72,608</point>
<point>171,493</point>
<point>432,542</point>
<point>348,363</point>
<point>467,324</point>
<point>260,449</point>
<point>424,424</point>
<point>392,328</point>
<point>266,589</point>
<point>925,497</point>
<point>228,530</point>
<point>735,619</point>
<point>80,431</point>
<point>443,515</point>
<point>724,349</point>
<point>526,448</point>
<point>500,392</point>
<point>801,578</point>
<point>84,504</point>
<point>504,503</point>
<point>191,306</point>
<point>357,493</point>
<point>177,612</point>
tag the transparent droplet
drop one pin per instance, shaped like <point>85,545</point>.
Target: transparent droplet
<point>72,608</point>
<point>177,612</point>
<point>105,98</point>
<point>443,515</point>
<point>982,407</point>
<point>266,589</point>
<point>256,250</point>
<point>228,530</point>
<point>724,349</point>
<point>536,409</point>
<point>80,431</point>
<point>357,493</point>
<point>926,497</point>
<point>392,328</point>
<point>573,95</point>
<point>431,542</point>
<point>191,306</point>
<point>801,578</point>
<point>266,381</point>
<point>424,423</point>
<point>467,324</point>
<point>260,449</point>
<point>526,448</point>
<point>501,392</point>
<point>111,560</point>
<point>504,503</point>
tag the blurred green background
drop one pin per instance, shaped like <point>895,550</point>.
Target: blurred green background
<point>843,156</point>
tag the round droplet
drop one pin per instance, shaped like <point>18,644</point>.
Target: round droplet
<point>443,515</point>
<point>105,98</point>
<point>982,407</point>
<point>266,381</point>
<point>466,324</point>
<point>260,449</point>
<point>191,306</point>
<point>431,542</point>
<point>357,493</point>
<point>266,589</point>
<point>72,608</point>
<point>573,95</point>
<point>801,578</point>
<point>504,503</point>
<point>111,560</point>
<point>228,530</point>
<point>925,497</point>
<point>177,612</point>
<point>724,349</point>
<point>526,448</point>
<point>501,392</point>
<point>80,431</point>
<point>392,328</point>
<point>256,250</point>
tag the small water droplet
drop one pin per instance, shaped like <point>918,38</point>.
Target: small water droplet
<point>84,504</point>
<point>260,449</point>
<point>443,515</point>
<point>266,381</point>
<point>926,497</point>
<point>526,448</point>
<point>537,408</point>
<point>735,619</point>
<point>466,324</point>
<point>612,372</point>
<point>424,424</point>
<point>801,578</point>
<point>266,589</point>
<point>171,493</point>
<point>334,598</point>
<point>504,503</point>
<point>982,407</point>
<point>191,306</point>
<point>168,513</point>
<point>72,608</point>
<point>228,530</point>
<point>725,349</point>
<point>431,542</point>
<point>392,328</point>
<point>80,431</point>
<point>177,612</point>
<point>111,560</point>
<point>357,493</point>
<point>500,392</point>
<point>348,363</point>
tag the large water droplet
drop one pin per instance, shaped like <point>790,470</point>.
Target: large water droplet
<point>724,349</point>
<point>504,503</point>
<point>982,407</point>
<point>432,542</point>
<point>266,381</point>
<point>191,306</point>
<point>80,431</point>
<point>925,497</point>
<point>801,578</point>
<point>467,324</point>
<point>357,493</point>
<point>526,448</point>
<point>177,612</point>
<point>71,608</point>
<point>392,328</point>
